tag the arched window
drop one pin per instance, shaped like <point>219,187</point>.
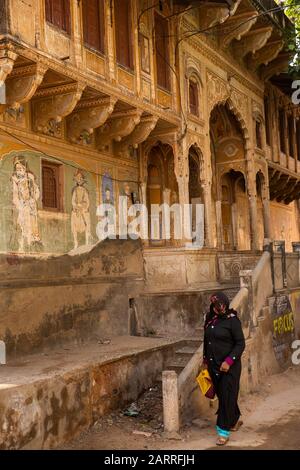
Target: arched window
<point>258,134</point>
<point>193,98</point>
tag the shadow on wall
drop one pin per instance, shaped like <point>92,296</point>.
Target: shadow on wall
<point>44,303</point>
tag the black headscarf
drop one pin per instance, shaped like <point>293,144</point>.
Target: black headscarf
<point>217,299</point>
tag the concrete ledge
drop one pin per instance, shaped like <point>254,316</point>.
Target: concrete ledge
<point>48,399</point>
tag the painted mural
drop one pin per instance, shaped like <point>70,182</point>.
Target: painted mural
<point>25,196</point>
<point>80,217</point>
<point>107,189</point>
<point>28,225</point>
<point>283,328</point>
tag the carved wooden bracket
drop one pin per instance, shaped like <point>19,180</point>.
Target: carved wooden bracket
<point>238,25</point>
<point>254,40</point>
<point>22,83</point>
<point>88,115</point>
<point>7,60</point>
<point>280,64</point>
<point>266,54</point>
<point>139,135</point>
<point>120,125</point>
<point>213,13</point>
<point>51,105</point>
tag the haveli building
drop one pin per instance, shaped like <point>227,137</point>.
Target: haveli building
<point>170,101</point>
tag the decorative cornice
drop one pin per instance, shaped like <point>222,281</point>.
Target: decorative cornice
<point>60,90</point>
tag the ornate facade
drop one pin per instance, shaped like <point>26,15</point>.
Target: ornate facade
<point>132,98</point>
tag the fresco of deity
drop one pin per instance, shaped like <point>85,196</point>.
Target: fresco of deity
<point>25,196</point>
<point>80,217</point>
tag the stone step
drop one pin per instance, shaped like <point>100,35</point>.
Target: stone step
<point>180,361</point>
<point>193,342</point>
<point>188,350</point>
<point>177,368</point>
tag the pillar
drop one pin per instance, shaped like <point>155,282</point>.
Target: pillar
<point>220,244</point>
<point>253,222</point>
<point>76,44</point>
<point>170,401</point>
<point>207,199</point>
<point>267,218</point>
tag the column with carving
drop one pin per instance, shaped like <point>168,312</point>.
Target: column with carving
<point>182,177</point>
<point>252,197</point>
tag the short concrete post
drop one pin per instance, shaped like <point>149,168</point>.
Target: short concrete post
<point>279,247</point>
<point>170,401</point>
<point>2,353</point>
<point>246,280</point>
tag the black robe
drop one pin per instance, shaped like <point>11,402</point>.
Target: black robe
<point>224,339</point>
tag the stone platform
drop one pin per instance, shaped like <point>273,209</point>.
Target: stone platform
<point>49,398</point>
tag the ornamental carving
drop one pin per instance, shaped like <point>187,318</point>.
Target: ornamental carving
<point>280,64</point>
<point>120,125</point>
<point>88,115</point>
<point>139,134</point>
<point>237,26</point>
<point>22,84</point>
<point>218,90</point>
<point>266,54</point>
<point>51,105</point>
<point>254,40</point>
<point>7,60</point>
<point>238,104</point>
<point>213,14</point>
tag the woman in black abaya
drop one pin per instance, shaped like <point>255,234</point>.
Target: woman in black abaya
<point>223,346</point>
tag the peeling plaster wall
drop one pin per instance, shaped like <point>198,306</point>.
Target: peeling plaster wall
<point>285,223</point>
<point>46,302</point>
<point>46,413</point>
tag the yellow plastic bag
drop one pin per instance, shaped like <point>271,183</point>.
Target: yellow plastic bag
<point>205,383</point>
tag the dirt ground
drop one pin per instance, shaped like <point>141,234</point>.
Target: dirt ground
<point>271,418</point>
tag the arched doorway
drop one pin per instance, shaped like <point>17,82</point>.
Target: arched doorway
<point>234,212</point>
<point>161,188</point>
<point>260,209</point>
<point>228,180</point>
<point>196,198</point>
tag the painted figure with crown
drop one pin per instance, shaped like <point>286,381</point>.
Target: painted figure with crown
<point>25,196</point>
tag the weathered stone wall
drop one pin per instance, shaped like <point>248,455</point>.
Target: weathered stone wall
<point>173,314</point>
<point>46,302</point>
<point>44,413</point>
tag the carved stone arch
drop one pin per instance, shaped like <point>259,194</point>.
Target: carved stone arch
<point>193,72</point>
<point>233,104</point>
<point>263,182</point>
<point>238,179</point>
<point>197,151</point>
<point>233,167</point>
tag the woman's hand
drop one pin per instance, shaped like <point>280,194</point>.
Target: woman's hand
<point>224,367</point>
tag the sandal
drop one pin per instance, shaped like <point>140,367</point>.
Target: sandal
<point>222,441</point>
<point>237,426</point>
